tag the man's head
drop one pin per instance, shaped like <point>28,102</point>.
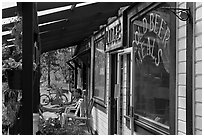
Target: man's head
<point>78,93</point>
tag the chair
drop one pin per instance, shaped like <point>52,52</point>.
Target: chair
<point>71,111</point>
<point>50,112</point>
<point>87,116</point>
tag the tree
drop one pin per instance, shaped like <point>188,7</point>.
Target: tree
<point>63,57</point>
<point>48,62</point>
<point>56,61</point>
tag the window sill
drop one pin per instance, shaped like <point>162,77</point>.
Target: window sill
<point>99,104</point>
<point>149,128</point>
<point>99,101</point>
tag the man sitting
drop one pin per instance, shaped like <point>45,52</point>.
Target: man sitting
<point>77,94</point>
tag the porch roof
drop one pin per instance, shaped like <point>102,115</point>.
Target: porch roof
<point>68,27</point>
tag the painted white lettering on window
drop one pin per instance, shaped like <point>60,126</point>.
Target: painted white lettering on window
<point>151,31</point>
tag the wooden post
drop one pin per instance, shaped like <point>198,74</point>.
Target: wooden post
<point>189,71</point>
<point>75,76</point>
<point>172,72</point>
<point>36,85</point>
<point>49,70</point>
<point>27,48</point>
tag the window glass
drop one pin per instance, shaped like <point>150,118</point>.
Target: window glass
<point>150,39</point>
<point>99,74</point>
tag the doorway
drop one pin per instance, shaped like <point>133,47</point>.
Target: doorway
<point>120,95</point>
<point>112,116</point>
<point>124,97</point>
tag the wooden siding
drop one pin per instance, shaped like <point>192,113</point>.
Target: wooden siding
<point>198,69</point>
<point>181,74</point>
<point>127,131</point>
<point>99,121</point>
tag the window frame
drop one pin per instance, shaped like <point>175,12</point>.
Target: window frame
<point>99,36</point>
<point>134,13</point>
<point>127,114</point>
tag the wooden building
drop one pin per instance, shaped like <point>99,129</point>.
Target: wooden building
<point>143,68</point>
<point>146,70</point>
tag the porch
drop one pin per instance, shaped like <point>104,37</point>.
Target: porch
<point>43,33</point>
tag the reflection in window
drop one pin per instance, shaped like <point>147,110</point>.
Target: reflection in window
<point>152,100</point>
<point>99,74</point>
<point>150,39</point>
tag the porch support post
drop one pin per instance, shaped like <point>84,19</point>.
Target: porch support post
<point>189,72</point>
<point>36,85</point>
<point>27,87</point>
<point>75,76</point>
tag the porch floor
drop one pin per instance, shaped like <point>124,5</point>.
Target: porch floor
<point>52,127</point>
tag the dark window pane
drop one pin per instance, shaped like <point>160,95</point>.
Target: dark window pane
<point>99,76</point>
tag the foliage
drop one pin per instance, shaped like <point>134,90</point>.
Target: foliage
<point>53,127</point>
<point>14,52</point>
<point>9,112</point>
<point>54,63</point>
<point>17,33</point>
<point>49,57</point>
<point>10,105</point>
<point>12,64</point>
<point>64,56</point>
<point>12,59</point>
<point>6,53</point>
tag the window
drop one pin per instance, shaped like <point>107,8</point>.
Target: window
<point>100,70</point>
<point>150,37</point>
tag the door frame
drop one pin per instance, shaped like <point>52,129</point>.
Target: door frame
<point>125,51</point>
<point>111,102</point>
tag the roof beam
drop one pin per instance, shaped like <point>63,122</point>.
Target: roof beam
<point>69,37</point>
<point>86,10</point>
<point>71,26</point>
<point>58,15</point>
<point>73,7</point>
<point>9,12</point>
<point>7,42</point>
<point>12,11</point>
<point>66,33</point>
<point>8,36</point>
<point>6,27</point>
<point>79,17</point>
<point>47,48</point>
<point>50,5</point>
